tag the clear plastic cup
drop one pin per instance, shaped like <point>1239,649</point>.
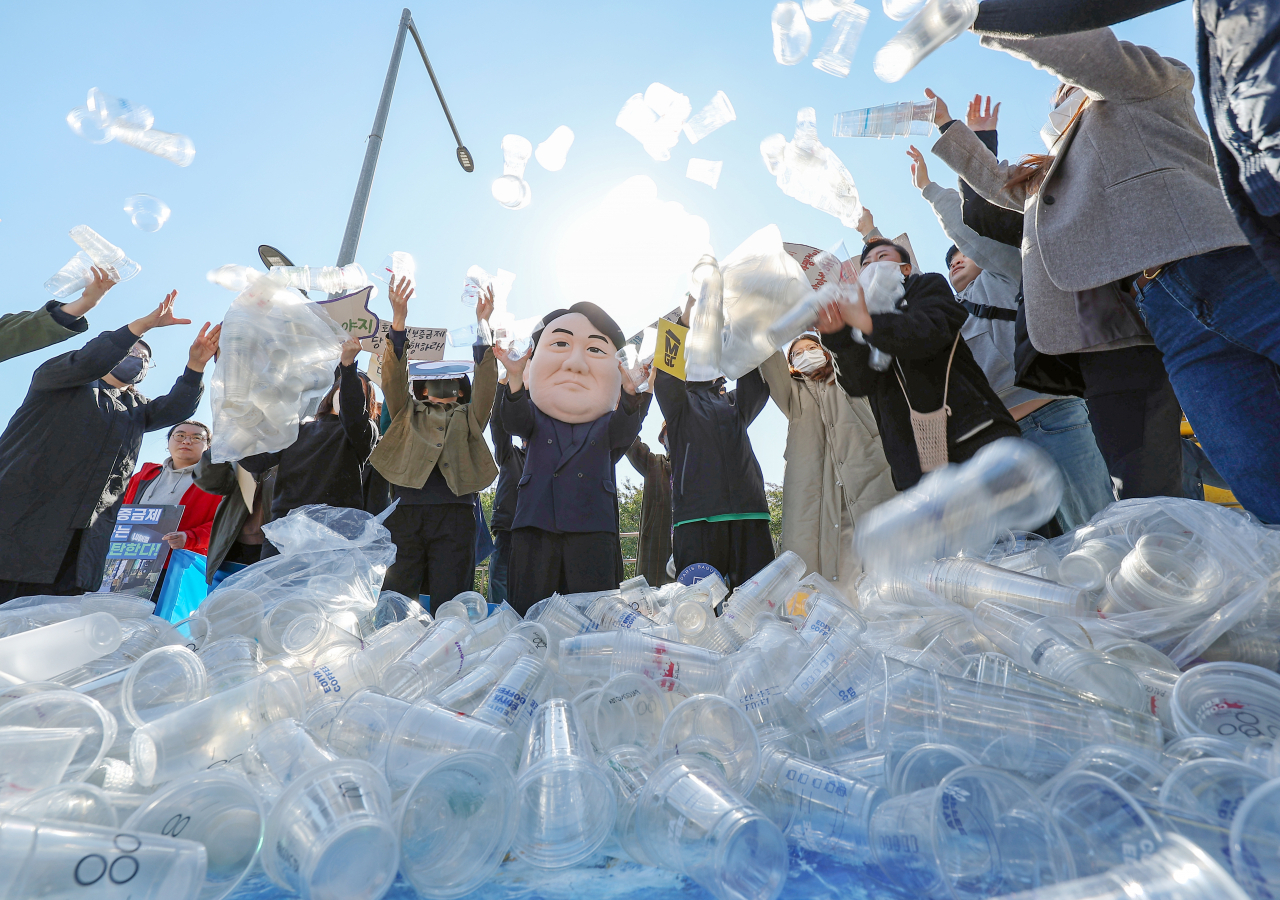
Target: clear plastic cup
<point>1177,870</point>
<point>816,807</point>
<point>968,582</point>
<point>35,758</point>
<point>1103,824</point>
<point>766,591</point>
<point>1201,746</point>
<point>1253,841</point>
<point>1233,701</point>
<point>699,625</point>
<point>1089,566</point>
<point>1264,755</point>
<point>219,810</point>
<point>279,617</point>
<point>331,836</point>
<point>363,727</point>
<point>1021,732</point>
<point>844,728</point>
<point>434,661</point>
<point>842,41</point>
<point>873,766</point>
<point>1163,571</point>
<point>66,714</point>
<point>717,113</point>
<point>1137,773</point>
<point>925,765</point>
<point>978,833</point>
<point>824,614</point>
<point>938,22</point>
<point>690,820</point>
<point>41,653</point>
<point>231,661</point>
<point>119,605</point>
<point>456,823</point>
<point>76,801</point>
<point>427,732</point>
<point>697,668</point>
<point>610,612</point>
<point>339,678</point>
<point>567,805</point>
<point>838,672</point>
<point>467,693</point>
<point>161,681</point>
<point>888,121</point>
<point>759,688</point>
<point>718,731</point>
<point>629,769</point>
<point>513,700</point>
<point>627,711</point>
<point>58,859</point>
<point>309,636</point>
<point>231,611</point>
<point>214,730</point>
<point>281,753</point>
<point>1212,789</point>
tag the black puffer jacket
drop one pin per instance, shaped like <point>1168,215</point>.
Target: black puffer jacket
<point>919,338</point>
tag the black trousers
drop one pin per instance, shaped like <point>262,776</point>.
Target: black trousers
<point>435,551</point>
<point>544,563</point>
<point>1136,420</point>
<point>63,584</point>
<point>739,548</point>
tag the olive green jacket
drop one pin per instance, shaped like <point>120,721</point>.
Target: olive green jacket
<point>26,332</point>
<point>423,435</point>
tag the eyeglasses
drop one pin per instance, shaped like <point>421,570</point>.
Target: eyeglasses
<point>188,438</point>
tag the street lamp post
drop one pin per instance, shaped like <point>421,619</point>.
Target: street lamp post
<point>355,221</point>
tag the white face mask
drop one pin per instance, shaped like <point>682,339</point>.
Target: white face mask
<point>808,361</point>
<point>1060,118</point>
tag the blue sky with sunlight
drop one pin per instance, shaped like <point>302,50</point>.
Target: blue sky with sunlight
<point>278,98</point>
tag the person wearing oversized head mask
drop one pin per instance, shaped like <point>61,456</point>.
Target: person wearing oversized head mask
<point>574,404</point>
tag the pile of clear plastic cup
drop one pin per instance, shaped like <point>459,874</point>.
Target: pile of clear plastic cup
<point>961,726</point>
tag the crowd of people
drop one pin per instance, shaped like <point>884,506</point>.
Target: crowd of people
<point>1093,294</point>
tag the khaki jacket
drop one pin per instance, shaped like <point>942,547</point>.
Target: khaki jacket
<point>834,461</point>
<point>1132,185</point>
<point>423,435</point>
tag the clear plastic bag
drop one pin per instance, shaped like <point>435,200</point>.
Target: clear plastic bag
<point>277,360</point>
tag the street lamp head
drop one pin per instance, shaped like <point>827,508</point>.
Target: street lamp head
<point>464,157</point>
<point>270,256</point>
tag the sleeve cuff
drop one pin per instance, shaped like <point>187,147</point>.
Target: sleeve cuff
<point>190,376</point>
<point>513,396</point>
<point>932,191</point>
<point>942,129</point>
<point>989,139</point>
<point>839,340</point>
<point>77,324</point>
<point>124,337</point>
<point>398,339</point>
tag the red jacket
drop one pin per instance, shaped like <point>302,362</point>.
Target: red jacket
<point>198,508</point>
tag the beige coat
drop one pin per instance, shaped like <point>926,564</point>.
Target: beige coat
<point>1132,185</point>
<point>835,465</point>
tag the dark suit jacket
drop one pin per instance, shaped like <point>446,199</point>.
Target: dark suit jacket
<point>568,483</point>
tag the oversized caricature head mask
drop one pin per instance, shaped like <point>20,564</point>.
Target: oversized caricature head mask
<point>574,375</point>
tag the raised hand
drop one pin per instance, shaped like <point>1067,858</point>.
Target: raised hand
<point>204,347</point>
<point>161,317</point>
<point>484,306</point>
<point>866,222</point>
<point>400,293</point>
<point>514,367</point>
<point>941,115</point>
<point>350,350</point>
<point>102,282</point>
<point>919,171</point>
<point>977,120</point>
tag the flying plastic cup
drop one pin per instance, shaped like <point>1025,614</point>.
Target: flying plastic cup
<point>1177,870</point>
<point>979,833</point>
<point>215,730</point>
<point>1233,701</point>
<point>280,754</point>
<point>1104,826</point>
<point>938,22</point>
<point>717,730</point>
<point>76,801</point>
<point>567,804</point>
<point>456,823</point>
<point>891,120</point>
<point>41,653</point>
<point>690,820</point>
<point>331,835</point>
<point>58,859</point>
<point>1254,828</point>
<point>220,811</point>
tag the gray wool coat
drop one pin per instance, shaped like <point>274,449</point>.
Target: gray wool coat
<point>1132,185</point>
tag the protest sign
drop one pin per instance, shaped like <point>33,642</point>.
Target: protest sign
<point>137,552</point>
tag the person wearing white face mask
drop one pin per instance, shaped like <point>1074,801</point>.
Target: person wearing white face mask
<point>836,469</point>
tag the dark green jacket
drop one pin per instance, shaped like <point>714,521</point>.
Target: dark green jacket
<point>26,332</point>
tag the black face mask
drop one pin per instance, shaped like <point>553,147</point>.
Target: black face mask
<point>130,370</point>
<point>443,388</point>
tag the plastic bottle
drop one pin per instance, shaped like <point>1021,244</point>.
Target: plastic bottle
<point>938,22</point>
<point>176,148</point>
<point>704,342</point>
<point>329,279</point>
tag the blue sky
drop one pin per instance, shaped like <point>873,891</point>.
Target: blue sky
<point>278,98</point>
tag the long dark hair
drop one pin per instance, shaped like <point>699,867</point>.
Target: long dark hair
<point>1033,167</point>
<point>326,405</point>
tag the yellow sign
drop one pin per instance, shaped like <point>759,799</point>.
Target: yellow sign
<point>669,356</point>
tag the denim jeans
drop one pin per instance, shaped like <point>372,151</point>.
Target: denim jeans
<point>1216,318</point>
<point>1062,429</point>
